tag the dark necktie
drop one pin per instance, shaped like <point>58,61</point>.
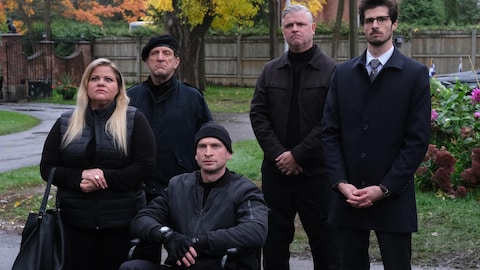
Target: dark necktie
<point>374,63</point>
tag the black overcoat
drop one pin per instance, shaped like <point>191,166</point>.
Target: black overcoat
<point>377,133</point>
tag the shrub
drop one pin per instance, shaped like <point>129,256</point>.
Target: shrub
<point>66,87</point>
<point>452,163</point>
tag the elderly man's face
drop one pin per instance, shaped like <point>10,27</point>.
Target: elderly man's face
<point>162,63</point>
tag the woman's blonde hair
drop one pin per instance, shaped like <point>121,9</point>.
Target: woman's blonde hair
<point>116,125</point>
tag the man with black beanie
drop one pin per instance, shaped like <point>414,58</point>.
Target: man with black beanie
<point>203,214</point>
<point>175,110</point>
<point>286,113</point>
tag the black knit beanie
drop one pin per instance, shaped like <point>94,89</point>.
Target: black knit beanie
<point>162,40</point>
<point>212,129</point>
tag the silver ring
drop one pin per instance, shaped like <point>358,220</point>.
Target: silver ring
<point>97,177</point>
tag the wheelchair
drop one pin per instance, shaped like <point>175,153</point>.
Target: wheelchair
<point>229,259</point>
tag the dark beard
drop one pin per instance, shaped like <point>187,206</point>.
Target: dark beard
<point>378,43</point>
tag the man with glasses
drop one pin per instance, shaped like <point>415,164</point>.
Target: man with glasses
<point>375,134</point>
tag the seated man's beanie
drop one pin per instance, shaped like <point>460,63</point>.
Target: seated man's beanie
<point>212,129</point>
<point>162,40</point>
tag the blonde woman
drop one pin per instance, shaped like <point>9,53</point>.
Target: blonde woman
<point>103,150</point>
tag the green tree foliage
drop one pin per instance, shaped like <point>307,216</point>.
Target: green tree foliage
<point>469,12</point>
<point>439,15</point>
<point>451,11</point>
<point>422,12</point>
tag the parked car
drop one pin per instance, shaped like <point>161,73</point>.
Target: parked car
<point>466,77</point>
<point>138,25</point>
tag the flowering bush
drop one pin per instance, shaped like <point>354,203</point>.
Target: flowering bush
<point>66,87</point>
<point>452,162</point>
<point>436,170</point>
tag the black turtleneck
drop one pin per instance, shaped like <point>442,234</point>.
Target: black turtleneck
<point>207,187</point>
<point>298,62</point>
<point>159,90</point>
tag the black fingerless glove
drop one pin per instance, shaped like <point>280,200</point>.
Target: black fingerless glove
<point>177,245</point>
<point>200,243</point>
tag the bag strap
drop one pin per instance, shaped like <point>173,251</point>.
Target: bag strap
<point>43,206</point>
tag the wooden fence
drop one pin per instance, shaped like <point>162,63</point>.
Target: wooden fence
<point>230,61</point>
<point>237,61</point>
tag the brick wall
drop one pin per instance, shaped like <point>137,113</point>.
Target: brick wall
<point>32,76</point>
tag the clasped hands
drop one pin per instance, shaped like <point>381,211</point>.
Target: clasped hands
<point>181,249</point>
<point>93,180</point>
<point>287,165</point>
<point>360,198</point>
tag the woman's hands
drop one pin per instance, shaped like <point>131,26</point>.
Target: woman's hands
<point>93,180</point>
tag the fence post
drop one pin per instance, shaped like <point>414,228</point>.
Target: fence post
<point>138,59</point>
<point>410,42</point>
<point>474,47</point>
<point>239,60</point>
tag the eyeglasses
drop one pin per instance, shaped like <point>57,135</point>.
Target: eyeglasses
<point>381,20</point>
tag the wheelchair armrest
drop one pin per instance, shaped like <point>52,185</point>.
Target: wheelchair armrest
<point>134,242</point>
<point>145,251</point>
<point>233,250</point>
<point>230,252</point>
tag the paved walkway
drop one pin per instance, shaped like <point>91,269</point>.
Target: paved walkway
<point>24,149</point>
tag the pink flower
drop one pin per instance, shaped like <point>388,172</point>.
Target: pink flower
<point>461,192</point>
<point>442,179</point>
<point>467,132</point>
<point>434,115</point>
<point>469,178</point>
<point>476,153</point>
<point>446,160</point>
<point>476,115</point>
<point>422,170</point>
<point>432,152</point>
<point>475,96</point>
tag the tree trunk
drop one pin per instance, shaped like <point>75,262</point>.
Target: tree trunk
<point>337,29</point>
<point>192,56</point>
<point>353,28</point>
<point>273,7</point>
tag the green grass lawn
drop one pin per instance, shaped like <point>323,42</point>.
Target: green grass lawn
<point>228,99</point>
<point>12,122</point>
<point>218,98</point>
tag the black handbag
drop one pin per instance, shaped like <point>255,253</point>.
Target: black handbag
<point>43,240</point>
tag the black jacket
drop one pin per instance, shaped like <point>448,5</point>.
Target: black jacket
<point>269,110</point>
<point>234,216</point>
<point>175,118</point>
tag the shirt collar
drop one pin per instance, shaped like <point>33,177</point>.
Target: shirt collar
<point>382,58</point>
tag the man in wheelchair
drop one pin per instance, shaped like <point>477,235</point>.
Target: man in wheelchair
<point>209,219</point>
